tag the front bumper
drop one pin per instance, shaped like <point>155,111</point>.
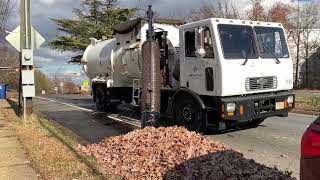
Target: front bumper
<point>257,106</point>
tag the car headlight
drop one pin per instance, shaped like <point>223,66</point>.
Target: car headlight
<point>290,100</point>
<point>231,107</point>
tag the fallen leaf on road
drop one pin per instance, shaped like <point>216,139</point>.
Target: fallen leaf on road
<point>174,153</point>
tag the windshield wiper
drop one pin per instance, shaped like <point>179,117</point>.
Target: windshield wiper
<point>270,52</point>
<point>245,54</point>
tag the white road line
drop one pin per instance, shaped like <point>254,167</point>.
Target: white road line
<point>90,110</point>
<point>67,104</point>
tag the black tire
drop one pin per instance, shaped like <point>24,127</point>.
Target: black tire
<point>101,99</point>
<point>187,112</point>
<point>257,122</point>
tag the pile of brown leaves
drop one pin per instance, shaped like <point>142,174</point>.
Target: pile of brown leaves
<point>174,153</point>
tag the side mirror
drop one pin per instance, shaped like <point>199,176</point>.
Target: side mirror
<point>199,42</point>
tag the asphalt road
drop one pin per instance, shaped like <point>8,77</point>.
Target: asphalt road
<point>275,143</point>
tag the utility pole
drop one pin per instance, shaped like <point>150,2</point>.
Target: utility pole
<point>25,46</point>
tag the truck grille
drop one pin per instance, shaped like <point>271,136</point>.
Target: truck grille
<point>261,83</point>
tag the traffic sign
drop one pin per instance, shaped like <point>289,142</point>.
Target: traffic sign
<point>86,83</point>
<point>72,73</point>
<point>14,38</point>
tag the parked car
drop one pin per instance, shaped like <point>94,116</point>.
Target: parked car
<point>310,153</point>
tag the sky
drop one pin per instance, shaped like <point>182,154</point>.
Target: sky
<point>52,62</point>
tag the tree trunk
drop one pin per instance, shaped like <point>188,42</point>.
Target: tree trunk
<point>296,82</point>
<point>307,64</point>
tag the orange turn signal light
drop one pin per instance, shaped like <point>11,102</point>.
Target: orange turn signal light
<point>286,104</point>
<point>241,110</point>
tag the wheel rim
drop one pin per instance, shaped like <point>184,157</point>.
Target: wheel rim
<point>187,113</point>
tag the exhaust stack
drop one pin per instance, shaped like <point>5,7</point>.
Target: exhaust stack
<point>151,81</point>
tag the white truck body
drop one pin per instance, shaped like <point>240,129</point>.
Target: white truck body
<point>120,62</point>
<point>244,73</point>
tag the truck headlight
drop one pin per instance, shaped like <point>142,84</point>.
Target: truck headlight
<point>290,100</point>
<point>231,107</point>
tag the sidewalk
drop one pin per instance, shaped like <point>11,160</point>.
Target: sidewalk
<point>13,161</point>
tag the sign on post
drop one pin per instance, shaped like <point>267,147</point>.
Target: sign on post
<point>14,39</point>
<point>28,91</point>
<point>86,83</point>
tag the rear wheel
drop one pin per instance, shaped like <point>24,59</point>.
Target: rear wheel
<point>187,112</point>
<point>101,99</point>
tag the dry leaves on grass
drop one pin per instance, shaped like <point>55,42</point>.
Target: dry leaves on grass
<point>174,153</point>
<point>50,157</point>
<point>6,110</point>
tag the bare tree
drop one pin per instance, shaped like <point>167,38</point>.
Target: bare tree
<point>5,9</point>
<point>310,40</point>
<point>9,58</point>
<point>215,9</point>
<point>257,13</point>
<point>306,39</point>
<point>4,12</point>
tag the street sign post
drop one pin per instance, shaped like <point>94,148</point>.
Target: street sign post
<point>25,39</point>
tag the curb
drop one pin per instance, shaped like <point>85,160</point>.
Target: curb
<point>312,113</point>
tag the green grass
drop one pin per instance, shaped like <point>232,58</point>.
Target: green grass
<point>308,103</point>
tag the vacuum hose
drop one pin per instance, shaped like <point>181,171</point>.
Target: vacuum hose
<point>151,82</point>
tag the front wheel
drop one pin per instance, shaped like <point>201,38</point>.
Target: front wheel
<point>187,113</point>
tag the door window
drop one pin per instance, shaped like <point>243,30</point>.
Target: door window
<point>190,44</point>
<point>207,44</point>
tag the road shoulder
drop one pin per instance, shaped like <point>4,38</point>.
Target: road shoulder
<point>13,161</point>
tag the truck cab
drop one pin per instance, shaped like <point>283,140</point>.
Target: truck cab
<point>241,70</point>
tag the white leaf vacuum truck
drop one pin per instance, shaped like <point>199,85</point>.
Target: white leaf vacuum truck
<point>213,73</point>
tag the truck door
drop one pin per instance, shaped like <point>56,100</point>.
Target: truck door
<point>198,68</point>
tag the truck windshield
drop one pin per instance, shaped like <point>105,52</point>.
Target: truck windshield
<point>237,42</point>
<point>271,42</point>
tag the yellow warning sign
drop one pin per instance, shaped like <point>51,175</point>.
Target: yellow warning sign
<point>86,83</point>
